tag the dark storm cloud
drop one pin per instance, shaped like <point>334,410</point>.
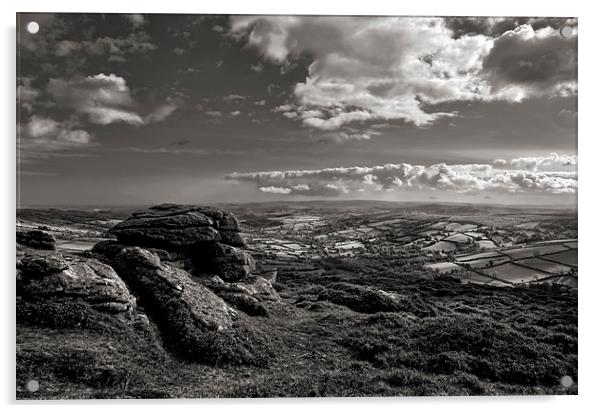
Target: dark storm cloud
<point>471,25</point>
<point>496,26</point>
<point>90,35</point>
<point>543,61</point>
<point>115,49</point>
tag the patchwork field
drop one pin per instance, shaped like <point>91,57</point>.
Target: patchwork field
<point>367,307</point>
<point>554,260</point>
<point>545,266</point>
<point>564,257</point>
<point>530,251</point>
<point>514,273</point>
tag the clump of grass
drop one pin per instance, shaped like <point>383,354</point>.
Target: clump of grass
<point>107,361</point>
<point>465,344</point>
<point>240,344</point>
<point>408,378</point>
<point>370,300</point>
<point>359,298</point>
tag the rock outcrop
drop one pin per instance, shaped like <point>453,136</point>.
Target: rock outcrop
<point>248,295</point>
<point>147,272</point>
<point>176,227</point>
<point>171,295</point>
<point>53,290</point>
<point>195,323</point>
<point>196,238</point>
<point>230,263</point>
<point>36,239</point>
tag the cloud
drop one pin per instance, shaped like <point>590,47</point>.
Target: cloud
<point>26,94</point>
<point>40,137</point>
<point>459,178</point>
<point>527,62</point>
<point>116,48</point>
<point>137,20</point>
<point>257,68</point>
<point>335,121</point>
<point>105,99</point>
<point>161,113</point>
<point>534,163</point>
<point>275,189</point>
<point>376,65</point>
<point>495,26</point>
<point>392,68</point>
<point>234,98</point>
<point>348,133</point>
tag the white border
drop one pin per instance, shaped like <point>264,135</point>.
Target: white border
<point>589,198</point>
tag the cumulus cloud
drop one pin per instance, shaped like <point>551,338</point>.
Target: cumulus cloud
<point>104,99</point>
<point>386,67</point>
<point>527,62</point>
<point>42,136</point>
<point>459,178</point>
<point>392,68</point>
<point>534,163</point>
<point>275,189</point>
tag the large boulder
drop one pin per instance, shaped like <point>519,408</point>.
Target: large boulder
<point>177,227</point>
<point>52,290</point>
<point>167,291</point>
<point>36,239</point>
<point>194,322</point>
<point>251,294</point>
<point>232,238</point>
<point>201,240</point>
<point>230,263</point>
<point>40,266</point>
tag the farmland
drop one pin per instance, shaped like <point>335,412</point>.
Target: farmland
<point>364,297</point>
<point>495,246</point>
<point>513,249</point>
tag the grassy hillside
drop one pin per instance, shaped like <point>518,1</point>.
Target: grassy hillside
<point>334,335</point>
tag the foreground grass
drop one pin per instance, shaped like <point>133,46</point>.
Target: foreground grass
<point>334,335</point>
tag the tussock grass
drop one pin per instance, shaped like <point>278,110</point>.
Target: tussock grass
<point>331,336</point>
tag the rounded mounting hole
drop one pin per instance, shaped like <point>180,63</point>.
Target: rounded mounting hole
<point>33,386</point>
<point>33,27</point>
<point>566,381</point>
<point>567,31</point>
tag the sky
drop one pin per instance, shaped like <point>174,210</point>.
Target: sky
<point>129,109</point>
